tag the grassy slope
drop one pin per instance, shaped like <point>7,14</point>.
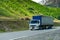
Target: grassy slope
<point>22,8</point>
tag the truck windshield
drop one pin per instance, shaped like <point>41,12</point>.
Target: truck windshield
<point>34,21</point>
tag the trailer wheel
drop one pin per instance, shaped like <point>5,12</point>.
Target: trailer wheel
<point>49,27</point>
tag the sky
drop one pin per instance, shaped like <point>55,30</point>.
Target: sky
<point>36,0</point>
<point>39,1</point>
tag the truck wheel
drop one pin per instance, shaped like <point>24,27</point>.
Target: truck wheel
<point>32,28</point>
<point>40,27</point>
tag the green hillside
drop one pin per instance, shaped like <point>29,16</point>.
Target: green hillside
<point>22,8</point>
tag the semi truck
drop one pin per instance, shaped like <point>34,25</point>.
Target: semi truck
<point>41,22</point>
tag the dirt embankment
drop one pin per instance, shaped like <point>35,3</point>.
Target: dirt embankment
<point>57,22</point>
<point>6,26</point>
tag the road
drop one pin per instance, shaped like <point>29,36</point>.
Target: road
<point>22,34</point>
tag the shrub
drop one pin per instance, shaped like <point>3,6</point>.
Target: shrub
<point>30,9</point>
<point>22,18</point>
<point>27,18</point>
<point>58,18</point>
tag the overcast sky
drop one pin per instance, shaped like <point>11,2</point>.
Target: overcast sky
<point>37,0</point>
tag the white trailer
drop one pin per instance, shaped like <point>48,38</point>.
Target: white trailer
<point>47,20</point>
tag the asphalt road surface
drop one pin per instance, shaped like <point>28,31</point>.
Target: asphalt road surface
<point>22,34</point>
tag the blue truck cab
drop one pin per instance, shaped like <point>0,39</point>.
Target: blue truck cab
<point>35,22</point>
